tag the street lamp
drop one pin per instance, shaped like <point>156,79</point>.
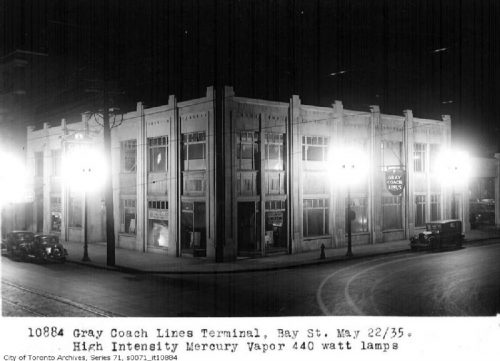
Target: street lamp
<point>349,166</point>
<point>453,169</point>
<point>83,170</point>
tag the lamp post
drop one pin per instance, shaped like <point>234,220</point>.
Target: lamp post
<point>453,169</point>
<point>349,223</point>
<point>83,170</point>
<point>348,166</point>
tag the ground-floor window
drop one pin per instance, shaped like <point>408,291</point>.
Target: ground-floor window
<point>193,228</point>
<point>275,236</point>
<point>360,206</point>
<point>392,212</point>
<point>55,213</point>
<point>128,215</point>
<point>158,223</point>
<point>315,217</point>
<point>75,211</point>
<point>419,210</point>
<point>435,207</point>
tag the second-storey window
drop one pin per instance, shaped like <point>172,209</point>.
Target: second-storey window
<point>391,154</point>
<point>56,162</point>
<point>419,155</point>
<point>38,164</point>
<point>274,158</point>
<point>128,156</point>
<point>247,153</point>
<point>314,148</point>
<point>194,150</point>
<point>157,154</point>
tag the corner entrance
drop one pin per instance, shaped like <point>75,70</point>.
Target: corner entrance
<point>249,241</point>
<point>194,229</point>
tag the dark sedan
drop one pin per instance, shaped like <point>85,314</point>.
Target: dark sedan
<point>24,245</point>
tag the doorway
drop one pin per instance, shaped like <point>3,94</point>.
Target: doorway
<point>249,240</point>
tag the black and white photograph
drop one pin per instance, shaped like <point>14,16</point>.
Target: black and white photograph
<point>275,160</point>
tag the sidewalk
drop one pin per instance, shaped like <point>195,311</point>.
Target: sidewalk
<point>139,262</point>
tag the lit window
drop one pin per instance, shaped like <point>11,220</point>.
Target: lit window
<point>360,206</point>
<point>127,216</point>
<point>157,154</point>
<point>55,213</point>
<point>273,146</point>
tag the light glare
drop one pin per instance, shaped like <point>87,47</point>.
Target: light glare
<point>347,165</point>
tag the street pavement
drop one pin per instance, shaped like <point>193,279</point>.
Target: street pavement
<point>140,262</point>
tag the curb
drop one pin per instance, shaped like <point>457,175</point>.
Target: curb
<point>313,262</point>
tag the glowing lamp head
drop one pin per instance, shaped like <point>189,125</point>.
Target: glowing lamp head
<point>348,165</point>
<point>12,179</point>
<point>83,168</point>
<point>453,167</point>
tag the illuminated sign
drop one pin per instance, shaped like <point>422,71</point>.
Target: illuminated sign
<point>395,181</point>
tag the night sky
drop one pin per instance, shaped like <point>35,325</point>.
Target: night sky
<point>434,57</point>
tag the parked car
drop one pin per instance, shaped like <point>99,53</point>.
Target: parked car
<point>439,235</point>
<point>15,243</point>
<point>24,245</point>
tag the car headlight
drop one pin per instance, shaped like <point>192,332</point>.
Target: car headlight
<point>48,250</point>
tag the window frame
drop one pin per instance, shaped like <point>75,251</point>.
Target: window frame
<point>126,147</point>
<point>391,201</point>
<point>123,208</point>
<point>157,143</point>
<point>420,201</point>
<point>312,204</point>
<point>313,141</point>
<point>249,139</point>
<point>420,162</point>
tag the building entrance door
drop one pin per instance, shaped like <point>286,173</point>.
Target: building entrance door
<point>194,229</point>
<point>249,242</point>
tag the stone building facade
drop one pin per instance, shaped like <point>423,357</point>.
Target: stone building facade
<point>247,177</point>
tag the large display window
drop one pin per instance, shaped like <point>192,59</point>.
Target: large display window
<point>158,223</point>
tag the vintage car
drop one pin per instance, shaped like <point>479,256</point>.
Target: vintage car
<point>23,245</point>
<point>439,235</point>
<point>15,242</point>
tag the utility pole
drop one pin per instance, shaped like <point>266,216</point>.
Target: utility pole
<point>108,187</point>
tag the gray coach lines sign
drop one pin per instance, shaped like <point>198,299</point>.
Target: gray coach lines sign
<point>395,181</point>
